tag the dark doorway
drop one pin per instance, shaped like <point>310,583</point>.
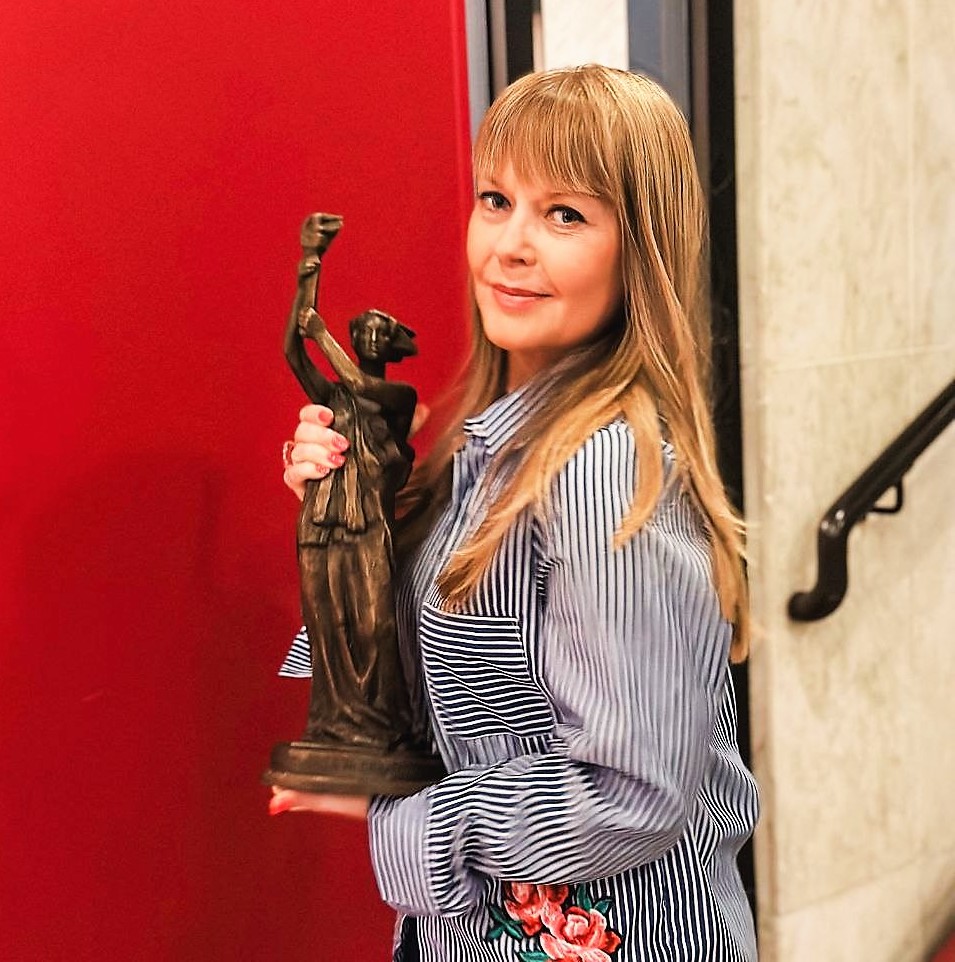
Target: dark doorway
<point>715,63</point>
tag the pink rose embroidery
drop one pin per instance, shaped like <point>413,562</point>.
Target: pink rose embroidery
<point>525,903</point>
<point>557,931</point>
<point>577,935</point>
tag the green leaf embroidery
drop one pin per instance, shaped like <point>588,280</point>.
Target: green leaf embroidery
<point>515,930</point>
<point>533,957</point>
<point>504,924</point>
<point>582,898</point>
<point>499,915</point>
<point>603,906</point>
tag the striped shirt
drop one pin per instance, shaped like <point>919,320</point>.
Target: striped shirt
<point>583,704</point>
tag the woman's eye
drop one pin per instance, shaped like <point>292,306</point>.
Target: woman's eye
<point>492,200</point>
<point>567,215</point>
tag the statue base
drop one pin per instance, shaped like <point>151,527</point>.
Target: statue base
<point>333,769</point>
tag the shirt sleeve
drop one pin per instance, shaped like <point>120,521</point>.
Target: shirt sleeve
<point>633,651</point>
<point>298,661</point>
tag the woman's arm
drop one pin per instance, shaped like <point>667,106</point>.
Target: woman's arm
<point>347,370</point>
<point>314,383</point>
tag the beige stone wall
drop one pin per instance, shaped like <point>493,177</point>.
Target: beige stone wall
<point>846,194</point>
<point>575,33</point>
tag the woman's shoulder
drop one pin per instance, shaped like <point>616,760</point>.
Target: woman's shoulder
<point>615,437</point>
<point>609,454</point>
<point>600,479</point>
<point>595,491</point>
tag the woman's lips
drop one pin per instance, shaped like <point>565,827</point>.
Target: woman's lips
<point>512,298</point>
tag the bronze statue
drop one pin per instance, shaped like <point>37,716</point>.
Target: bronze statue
<point>359,735</point>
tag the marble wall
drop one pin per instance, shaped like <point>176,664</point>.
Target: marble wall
<point>846,194</point>
<point>575,33</point>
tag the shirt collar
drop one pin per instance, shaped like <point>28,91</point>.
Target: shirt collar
<point>498,423</point>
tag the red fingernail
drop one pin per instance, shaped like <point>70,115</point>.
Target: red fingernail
<point>279,805</point>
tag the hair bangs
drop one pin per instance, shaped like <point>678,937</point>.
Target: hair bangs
<point>550,136</point>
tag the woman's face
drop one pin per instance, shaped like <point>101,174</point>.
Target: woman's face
<point>371,338</point>
<point>546,269</point>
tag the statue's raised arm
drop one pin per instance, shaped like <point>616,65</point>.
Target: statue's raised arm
<point>318,232</point>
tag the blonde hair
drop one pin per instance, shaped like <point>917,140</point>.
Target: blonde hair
<point>617,136</point>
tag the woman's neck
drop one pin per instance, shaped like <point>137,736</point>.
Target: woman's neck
<point>372,368</point>
<point>523,365</point>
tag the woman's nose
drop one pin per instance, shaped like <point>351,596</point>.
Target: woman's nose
<point>515,241</point>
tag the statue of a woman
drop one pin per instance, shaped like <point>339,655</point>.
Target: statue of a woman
<point>345,550</point>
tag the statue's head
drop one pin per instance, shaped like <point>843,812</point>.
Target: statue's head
<point>377,336</point>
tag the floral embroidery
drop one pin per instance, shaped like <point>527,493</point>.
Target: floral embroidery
<point>562,927</point>
<point>526,903</point>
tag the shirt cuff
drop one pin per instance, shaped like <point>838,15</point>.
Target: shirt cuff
<point>412,853</point>
<point>396,832</point>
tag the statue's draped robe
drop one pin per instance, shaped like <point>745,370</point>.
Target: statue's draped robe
<point>346,560</point>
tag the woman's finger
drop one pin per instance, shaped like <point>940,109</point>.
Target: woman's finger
<point>295,476</point>
<point>320,454</point>
<point>310,433</point>
<point>317,414</point>
<point>287,800</point>
<point>302,471</point>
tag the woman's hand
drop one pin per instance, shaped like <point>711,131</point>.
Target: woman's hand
<point>318,449</point>
<point>287,800</point>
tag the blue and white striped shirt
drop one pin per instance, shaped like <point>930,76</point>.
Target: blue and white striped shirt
<point>583,704</point>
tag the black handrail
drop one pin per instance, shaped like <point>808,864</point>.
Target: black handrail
<point>884,473</point>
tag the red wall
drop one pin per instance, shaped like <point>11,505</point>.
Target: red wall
<point>156,161</point>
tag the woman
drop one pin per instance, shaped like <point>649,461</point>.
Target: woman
<point>573,589</point>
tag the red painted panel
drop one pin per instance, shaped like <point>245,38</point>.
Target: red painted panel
<point>156,161</point>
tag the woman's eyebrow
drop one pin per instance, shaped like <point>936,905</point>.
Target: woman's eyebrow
<point>567,193</point>
<point>570,195</point>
